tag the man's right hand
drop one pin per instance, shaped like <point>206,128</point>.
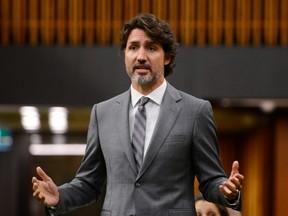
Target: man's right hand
<point>45,190</point>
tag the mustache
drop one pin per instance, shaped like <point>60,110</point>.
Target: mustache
<point>141,65</point>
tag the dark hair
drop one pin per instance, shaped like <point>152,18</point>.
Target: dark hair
<point>222,210</point>
<point>158,30</point>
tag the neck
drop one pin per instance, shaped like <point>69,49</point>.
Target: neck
<point>148,88</point>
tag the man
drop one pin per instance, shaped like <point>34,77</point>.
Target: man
<point>148,154</point>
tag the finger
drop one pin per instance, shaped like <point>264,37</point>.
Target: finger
<point>235,168</point>
<point>237,183</point>
<point>240,178</point>
<point>237,178</point>
<point>225,191</point>
<point>36,193</point>
<point>35,180</point>
<point>229,186</point>
<point>35,186</point>
<point>42,174</point>
<point>40,199</point>
<point>228,192</point>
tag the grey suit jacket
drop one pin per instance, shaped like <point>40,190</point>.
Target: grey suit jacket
<point>184,145</point>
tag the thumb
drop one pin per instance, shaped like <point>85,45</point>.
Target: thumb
<point>235,168</point>
<point>42,174</point>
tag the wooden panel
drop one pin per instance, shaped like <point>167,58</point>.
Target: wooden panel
<point>131,8</point>
<point>159,9</point>
<point>271,22</point>
<point>117,21</point>
<point>281,168</point>
<point>145,6</point>
<point>258,171</point>
<point>75,21</point>
<point>194,22</point>
<point>173,16</point>
<point>257,24</point>
<point>201,22</point>
<point>61,22</point>
<point>215,21</point>
<point>243,21</point>
<point>19,21</point>
<point>5,21</point>
<point>47,24</point>
<point>33,24</point>
<point>229,22</point>
<point>284,22</point>
<point>103,21</point>
<point>187,22</point>
<point>88,24</point>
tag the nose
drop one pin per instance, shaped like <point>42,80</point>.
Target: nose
<point>142,56</point>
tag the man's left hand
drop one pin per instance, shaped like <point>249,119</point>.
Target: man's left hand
<point>233,185</point>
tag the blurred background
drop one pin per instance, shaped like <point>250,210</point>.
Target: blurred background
<point>59,57</point>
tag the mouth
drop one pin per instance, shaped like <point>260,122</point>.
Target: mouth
<point>142,68</point>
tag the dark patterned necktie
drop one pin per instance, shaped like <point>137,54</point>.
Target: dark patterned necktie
<point>139,131</point>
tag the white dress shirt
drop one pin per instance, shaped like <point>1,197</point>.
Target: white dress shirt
<point>152,110</point>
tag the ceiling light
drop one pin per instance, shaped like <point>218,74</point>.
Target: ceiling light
<point>267,106</point>
<point>57,149</point>
<point>58,119</point>
<point>30,118</point>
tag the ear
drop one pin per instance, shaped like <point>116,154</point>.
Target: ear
<point>167,61</point>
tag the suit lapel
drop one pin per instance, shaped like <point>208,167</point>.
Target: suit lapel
<point>169,112</point>
<point>124,128</point>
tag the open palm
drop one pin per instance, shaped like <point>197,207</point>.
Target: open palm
<point>45,190</point>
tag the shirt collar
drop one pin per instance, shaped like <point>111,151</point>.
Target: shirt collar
<point>156,95</point>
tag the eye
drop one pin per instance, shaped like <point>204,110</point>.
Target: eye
<point>132,47</point>
<point>152,48</point>
<point>211,214</point>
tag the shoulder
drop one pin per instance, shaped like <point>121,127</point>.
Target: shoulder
<point>110,106</point>
<point>186,98</point>
<point>116,99</point>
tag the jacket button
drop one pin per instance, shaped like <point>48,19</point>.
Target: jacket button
<point>137,184</point>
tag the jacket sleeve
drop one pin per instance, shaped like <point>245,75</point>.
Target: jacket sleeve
<point>209,170</point>
<point>85,188</point>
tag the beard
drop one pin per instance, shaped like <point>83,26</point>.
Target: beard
<point>144,79</point>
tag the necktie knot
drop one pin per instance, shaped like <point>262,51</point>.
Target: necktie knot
<point>143,102</point>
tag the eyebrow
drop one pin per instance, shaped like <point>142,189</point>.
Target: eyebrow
<point>149,42</point>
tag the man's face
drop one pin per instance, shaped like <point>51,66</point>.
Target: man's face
<point>144,59</point>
